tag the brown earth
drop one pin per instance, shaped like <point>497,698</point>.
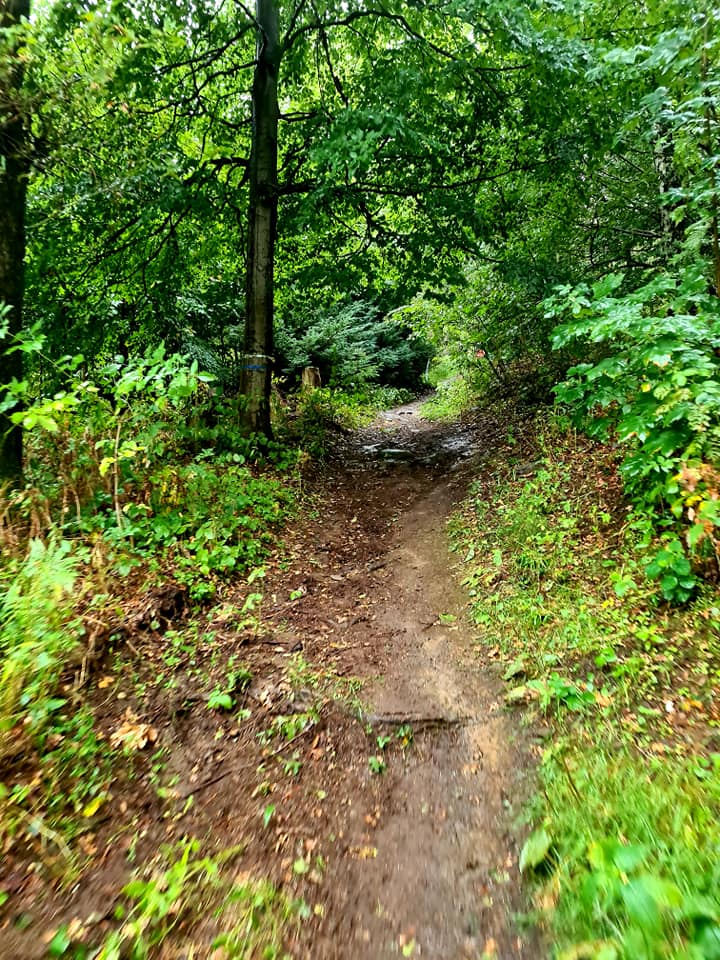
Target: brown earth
<point>415,858</point>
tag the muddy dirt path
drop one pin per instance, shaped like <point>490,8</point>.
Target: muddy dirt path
<point>440,879</point>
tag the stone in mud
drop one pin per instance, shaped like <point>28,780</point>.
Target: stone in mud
<point>393,454</point>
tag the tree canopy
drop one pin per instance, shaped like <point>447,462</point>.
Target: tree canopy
<point>204,178</point>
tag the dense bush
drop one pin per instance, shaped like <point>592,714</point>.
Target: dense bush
<point>145,458</point>
<point>482,325</point>
<point>654,383</point>
<point>352,345</point>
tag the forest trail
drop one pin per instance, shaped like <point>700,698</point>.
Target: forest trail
<point>396,830</point>
<point>442,879</point>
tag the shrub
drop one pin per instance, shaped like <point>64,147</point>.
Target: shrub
<point>37,635</point>
<point>653,380</point>
<point>353,345</point>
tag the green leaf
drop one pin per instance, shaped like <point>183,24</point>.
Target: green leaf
<point>60,943</point>
<point>706,937</point>
<point>535,850</point>
<point>515,669</point>
<point>647,897</point>
<point>220,700</point>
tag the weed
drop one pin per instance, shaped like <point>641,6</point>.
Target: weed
<point>179,886</point>
<point>38,634</point>
<point>291,765</point>
<point>261,916</point>
<point>57,805</point>
<point>636,862</point>
<point>327,683</point>
<point>289,727</point>
<point>377,764</point>
<point>237,680</point>
<point>556,690</point>
<point>405,735</point>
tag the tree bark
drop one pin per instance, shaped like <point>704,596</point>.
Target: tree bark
<point>256,378</point>
<point>13,187</point>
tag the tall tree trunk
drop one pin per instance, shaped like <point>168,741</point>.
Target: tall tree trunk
<point>262,222</point>
<point>13,187</point>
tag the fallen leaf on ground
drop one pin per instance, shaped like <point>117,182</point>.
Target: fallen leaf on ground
<point>133,734</point>
<point>364,853</point>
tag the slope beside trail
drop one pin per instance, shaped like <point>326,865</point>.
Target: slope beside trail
<point>440,878</point>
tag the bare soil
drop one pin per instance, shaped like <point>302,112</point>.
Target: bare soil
<point>418,860</point>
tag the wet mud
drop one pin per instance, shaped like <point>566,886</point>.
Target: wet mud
<point>442,881</point>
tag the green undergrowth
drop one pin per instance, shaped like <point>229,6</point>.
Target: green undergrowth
<point>649,380</point>
<point>316,411</point>
<point>54,768</point>
<point>455,390</point>
<point>451,399</point>
<point>623,860</point>
<point>138,475</point>
<point>183,897</point>
<point>144,465</point>
<point>461,385</point>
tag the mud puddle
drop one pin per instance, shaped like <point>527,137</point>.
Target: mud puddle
<point>402,436</point>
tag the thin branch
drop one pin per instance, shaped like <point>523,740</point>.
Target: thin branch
<point>609,228</point>
<point>381,190</point>
<point>299,115</point>
<point>398,18</point>
<point>337,83</point>
<point>296,15</point>
<point>249,14</point>
<point>208,57</point>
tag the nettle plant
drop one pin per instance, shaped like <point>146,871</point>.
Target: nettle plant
<point>653,382</point>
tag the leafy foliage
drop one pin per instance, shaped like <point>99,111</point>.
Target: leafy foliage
<point>352,345</point>
<point>622,859</point>
<point>482,174</point>
<point>37,635</point>
<point>182,883</point>
<point>657,388</point>
<point>130,450</point>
